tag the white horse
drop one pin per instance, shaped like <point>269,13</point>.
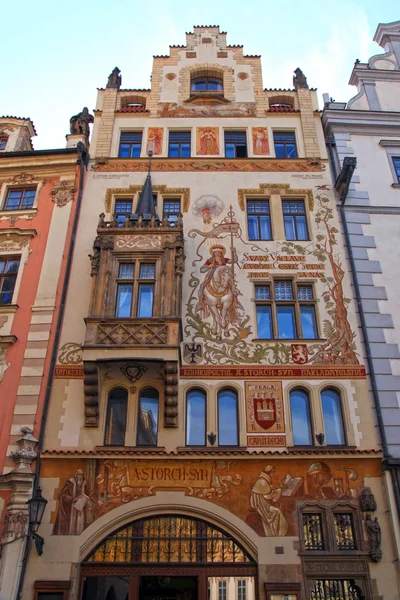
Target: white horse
<point>219,298</point>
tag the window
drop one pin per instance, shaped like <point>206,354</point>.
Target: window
<point>285,310</point>
<point>333,589</point>
<point>294,217</point>
<point>312,531</point>
<point>130,144</point>
<point>20,199</point>
<point>301,420</point>
<point>116,417</point>
<point>148,418</point>
<point>333,420</point>
<point>8,276</point>
<point>172,209</point>
<point>285,144</point>
<point>3,142</point>
<point>344,529</point>
<point>396,164</point>
<point>51,590</point>
<point>135,289</point>
<point>228,434</point>
<point>259,220</point>
<point>221,590</point>
<point>179,144</point>
<point>206,84</point>
<point>196,418</point>
<point>122,210</point>
<point>235,144</point>
<point>241,589</point>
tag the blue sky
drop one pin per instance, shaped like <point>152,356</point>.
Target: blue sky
<point>55,54</point>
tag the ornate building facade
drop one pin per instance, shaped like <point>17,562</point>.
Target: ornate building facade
<point>209,432</point>
<point>38,192</point>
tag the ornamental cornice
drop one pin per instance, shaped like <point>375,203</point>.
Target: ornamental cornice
<point>358,75</point>
<point>269,189</point>
<point>161,189</point>
<point>363,121</point>
<point>15,239</point>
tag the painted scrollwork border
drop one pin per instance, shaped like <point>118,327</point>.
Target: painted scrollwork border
<point>269,189</point>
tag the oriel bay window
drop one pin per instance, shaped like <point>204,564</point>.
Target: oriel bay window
<point>135,289</point>
<point>285,310</point>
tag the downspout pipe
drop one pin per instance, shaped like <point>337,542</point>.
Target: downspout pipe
<point>342,186</point>
<point>83,159</point>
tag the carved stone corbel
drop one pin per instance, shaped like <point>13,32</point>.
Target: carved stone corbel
<point>25,454</point>
<point>91,392</point>
<point>171,394</point>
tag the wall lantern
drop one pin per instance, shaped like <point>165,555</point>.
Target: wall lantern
<point>37,505</point>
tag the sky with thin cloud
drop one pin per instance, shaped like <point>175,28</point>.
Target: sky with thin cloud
<point>55,54</point>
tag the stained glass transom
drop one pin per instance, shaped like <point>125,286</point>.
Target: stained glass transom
<point>170,539</point>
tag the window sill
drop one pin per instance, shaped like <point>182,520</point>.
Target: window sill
<point>206,449</point>
<point>322,448</point>
<point>396,185</point>
<point>28,212</point>
<point>8,308</point>
<point>128,448</point>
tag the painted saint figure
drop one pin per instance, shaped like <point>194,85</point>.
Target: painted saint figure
<point>218,294</point>
<point>264,493</point>
<point>208,143</point>
<point>155,140</point>
<point>260,141</point>
<point>76,503</point>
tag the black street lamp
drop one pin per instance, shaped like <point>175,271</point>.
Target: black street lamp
<point>37,505</point>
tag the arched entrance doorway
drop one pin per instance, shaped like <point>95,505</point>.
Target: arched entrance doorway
<point>168,557</point>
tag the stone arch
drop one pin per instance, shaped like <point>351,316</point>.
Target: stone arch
<point>132,98</point>
<point>167,503</point>
<point>199,69</point>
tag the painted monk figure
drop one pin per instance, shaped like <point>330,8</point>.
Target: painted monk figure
<point>264,493</point>
<point>76,503</point>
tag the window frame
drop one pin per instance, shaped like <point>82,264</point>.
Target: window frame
<point>236,143</point>
<point>207,79</point>
<point>167,215</point>
<point>23,189</point>
<point>108,423</point>
<point>187,392</point>
<point>117,199</point>
<point>130,143</point>
<point>140,392</point>
<point>235,391</point>
<point>310,416</point>
<point>241,594</point>
<point>10,258</point>
<point>3,138</point>
<point>327,514</point>
<point>392,149</point>
<point>284,143</point>
<point>135,282</point>
<point>180,142</point>
<point>296,302</point>
<point>51,587</point>
<point>258,215</point>
<point>294,215</point>
<point>342,415</point>
<point>396,169</point>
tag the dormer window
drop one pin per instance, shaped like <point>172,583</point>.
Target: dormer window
<point>206,84</point>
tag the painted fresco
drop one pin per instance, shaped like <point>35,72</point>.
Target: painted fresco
<point>263,494</point>
<point>260,141</point>
<point>207,140</point>
<point>155,140</point>
<point>219,315</point>
<point>234,109</point>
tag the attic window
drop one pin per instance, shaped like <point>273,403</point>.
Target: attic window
<point>280,104</point>
<point>3,142</point>
<point>206,84</point>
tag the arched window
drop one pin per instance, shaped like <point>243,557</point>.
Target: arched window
<point>228,426</point>
<point>148,418</point>
<point>196,418</point>
<point>116,417</point>
<point>301,421</point>
<point>333,419</point>
<point>206,84</point>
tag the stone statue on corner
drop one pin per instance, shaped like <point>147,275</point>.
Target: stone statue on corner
<point>299,80</point>
<point>80,123</point>
<point>374,534</point>
<point>114,79</point>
